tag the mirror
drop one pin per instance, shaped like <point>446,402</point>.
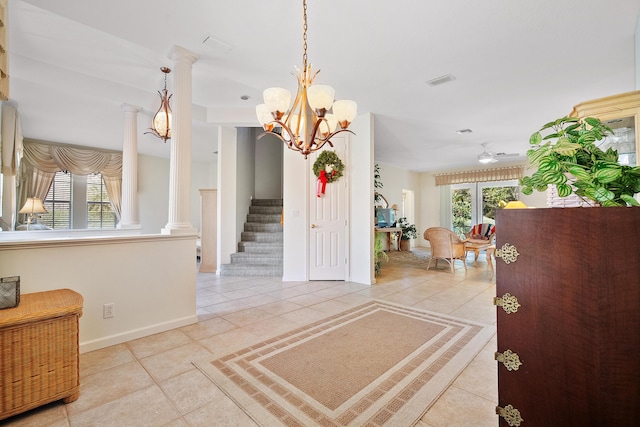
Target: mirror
<point>623,140</point>
<point>379,201</point>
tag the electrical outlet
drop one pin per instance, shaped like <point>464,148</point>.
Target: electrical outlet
<point>107,311</point>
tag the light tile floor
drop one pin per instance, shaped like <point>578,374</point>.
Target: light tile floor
<point>151,381</point>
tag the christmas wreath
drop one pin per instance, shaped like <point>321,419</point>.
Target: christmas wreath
<point>330,163</point>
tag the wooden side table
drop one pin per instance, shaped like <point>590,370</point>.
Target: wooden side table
<point>390,230</point>
<point>39,351</point>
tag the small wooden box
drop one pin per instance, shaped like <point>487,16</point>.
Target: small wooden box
<point>39,351</point>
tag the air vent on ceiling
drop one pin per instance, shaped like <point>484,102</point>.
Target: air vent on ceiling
<point>215,43</point>
<point>441,80</point>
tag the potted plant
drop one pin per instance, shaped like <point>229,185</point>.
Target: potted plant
<point>569,158</point>
<point>408,232</point>
<point>378,254</point>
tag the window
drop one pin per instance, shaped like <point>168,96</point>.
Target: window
<point>476,203</point>
<point>99,210</point>
<point>76,201</point>
<point>58,203</point>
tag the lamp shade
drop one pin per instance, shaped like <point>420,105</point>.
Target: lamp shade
<point>320,96</point>
<point>33,205</point>
<point>162,120</point>
<point>328,126</point>
<point>277,99</point>
<point>345,111</point>
<point>263,113</point>
<point>515,204</point>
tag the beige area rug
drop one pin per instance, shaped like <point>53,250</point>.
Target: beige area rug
<point>378,364</point>
<point>412,258</point>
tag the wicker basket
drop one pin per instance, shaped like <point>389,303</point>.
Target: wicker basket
<point>39,357</point>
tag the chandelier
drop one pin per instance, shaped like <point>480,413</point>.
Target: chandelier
<point>161,123</point>
<point>306,125</point>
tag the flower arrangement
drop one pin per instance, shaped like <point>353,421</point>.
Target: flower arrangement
<point>408,230</point>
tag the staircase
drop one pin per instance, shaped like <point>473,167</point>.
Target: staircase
<point>260,248</point>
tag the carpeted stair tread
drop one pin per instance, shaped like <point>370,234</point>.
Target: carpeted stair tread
<point>260,248</point>
<point>250,270</point>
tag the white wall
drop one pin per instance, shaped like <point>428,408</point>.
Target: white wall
<point>268,167</point>
<point>394,181</point>
<point>226,183</point>
<point>295,230</point>
<point>361,221</point>
<point>637,53</point>
<point>153,191</point>
<point>428,206</point>
<point>151,280</point>
<point>245,176</point>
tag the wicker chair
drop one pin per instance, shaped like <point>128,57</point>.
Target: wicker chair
<point>446,245</point>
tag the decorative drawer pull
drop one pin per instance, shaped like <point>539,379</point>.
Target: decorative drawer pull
<point>508,253</point>
<point>509,359</point>
<point>510,414</point>
<point>508,302</point>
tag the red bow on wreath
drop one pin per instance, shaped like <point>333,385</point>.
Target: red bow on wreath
<point>322,183</point>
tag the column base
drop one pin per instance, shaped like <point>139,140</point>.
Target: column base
<point>129,226</point>
<point>177,229</point>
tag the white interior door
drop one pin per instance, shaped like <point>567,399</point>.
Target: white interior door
<point>328,222</point>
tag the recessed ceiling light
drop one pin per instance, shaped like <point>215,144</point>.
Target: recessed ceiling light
<point>244,97</point>
<point>463,131</point>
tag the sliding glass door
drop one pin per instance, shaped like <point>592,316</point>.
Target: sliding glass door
<point>476,203</point>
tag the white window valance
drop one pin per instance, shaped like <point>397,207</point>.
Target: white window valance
<point>481,175</point>
<point>41,161</point>
<point>78,161</point>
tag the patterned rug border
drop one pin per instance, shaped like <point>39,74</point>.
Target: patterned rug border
<point>270,400</point>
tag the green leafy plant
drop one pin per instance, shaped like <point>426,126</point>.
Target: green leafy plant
<point>377,183</point>
<point>408,230</point>
<point>379,256</point>
<point>569,158</point>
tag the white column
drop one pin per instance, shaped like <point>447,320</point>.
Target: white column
<point>180,162</point>
<point>129,216</point>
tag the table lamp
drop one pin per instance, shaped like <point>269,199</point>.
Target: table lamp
<point>515,204</point>
<point>32,207</point>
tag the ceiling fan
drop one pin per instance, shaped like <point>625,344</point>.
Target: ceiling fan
<point>488,157</point>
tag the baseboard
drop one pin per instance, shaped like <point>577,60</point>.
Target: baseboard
<point>110,340</point>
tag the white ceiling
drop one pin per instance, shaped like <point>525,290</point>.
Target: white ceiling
<point>517,64</point>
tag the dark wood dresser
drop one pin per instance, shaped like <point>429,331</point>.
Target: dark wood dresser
<point>568,316</point>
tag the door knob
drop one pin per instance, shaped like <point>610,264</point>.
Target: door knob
<point>313,226</point>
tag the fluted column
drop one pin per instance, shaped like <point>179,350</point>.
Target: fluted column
<point>129,213</point>
<point>180,162</point>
